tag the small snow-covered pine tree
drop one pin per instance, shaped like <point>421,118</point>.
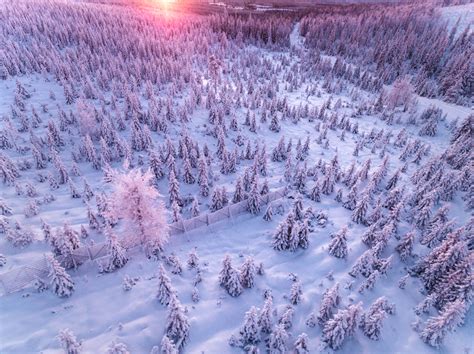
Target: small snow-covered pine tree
<point>177,324</point>
<point>342,326</point>
<point>268,216</point>
<point>437,327</point>
<point>224,274</point>
<point>165,289</point>
<point>338,245</point>
<point>277,342</point>
<point>295,293</point>
<point>193,259</point>
<point>372,324</point>
<point>60,282</point>
<point>315,194</point>
<point>301,344</point>
<point>250,330</point>
<point>247,273</point>
<point>116,252</point>
<point>358,215</point>
<point>329,302</point>
<point>166,347</point>
<point>117,348</point>
<point>69,342</point>
<point>234,286</point>
<point>254,200</point>
<point>405,247</point>
<point>265,321</point>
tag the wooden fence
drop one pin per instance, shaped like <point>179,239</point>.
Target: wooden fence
<point>24,276</point>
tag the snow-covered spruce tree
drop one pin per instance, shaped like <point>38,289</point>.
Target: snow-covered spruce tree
<point>364,264</point>
<point>173,188</point>
<point>437,327</point>
<point>280,240</point>
<point>64,242</point>
<point>203,178</point>
<point>117,255</point>
<point>188,173</point>
<point>254,199</point>
<point>8,170</point>
<point>288,174</point>
<point>329,302</point>
<point>459,151</point>
<point>442,260</point>
<point>177,324</point>
<point>358,215</point>
<point>405,247</point>
<point>301,344</point>
<point>274,124</point>
<point>277,342</point>
<point>342,326</point>
<point>117,348</point>
<point>175,212</point>
<point>369,283</point>
<point>69,342</point>
<point>247,273</point>
<point>351,201</point>
<point>137,203</point>
<point>430,118</point>
<point>293,241</point>
<point>216,202</point>
<point>298,208</point>
<point>225,271</point>
<point>175,264</point>
<point>166,347</point>
<point>5,209</point>
<point>60,282</point>
<point>265,189</point>
<point>438,228</point>
<point>372,320</point>
<point>195,294</point>
<point>18,236</point>
<point>315,194</point>
<point>370,235</point>
<point>295,293</point>
<point>268,216</point>
<point>195,208</point>
<point>303,233</point>
<point>265,321</point>
<point>372,324</point>
<point>456,284</point>
<point>165,289</point>
<point>339,195</point>
<point>338,245</point>
<point>250,330</point>
<point>93,219</point>
<point>193,259</point>
<point>299,179</point>
<point>239,192</point>
<point>234,286</point>
<point>156,165</point>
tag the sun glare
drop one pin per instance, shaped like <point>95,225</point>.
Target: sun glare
<point>165,3</point>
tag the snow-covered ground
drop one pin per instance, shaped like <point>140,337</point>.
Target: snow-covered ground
<point>100,311</point>
<point>460,15</point>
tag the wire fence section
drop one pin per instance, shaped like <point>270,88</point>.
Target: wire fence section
<point>21,277</point>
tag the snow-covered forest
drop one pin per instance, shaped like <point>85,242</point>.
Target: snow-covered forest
<point>244,180</point>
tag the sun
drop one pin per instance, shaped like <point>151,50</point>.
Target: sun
<point>165,3</point>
